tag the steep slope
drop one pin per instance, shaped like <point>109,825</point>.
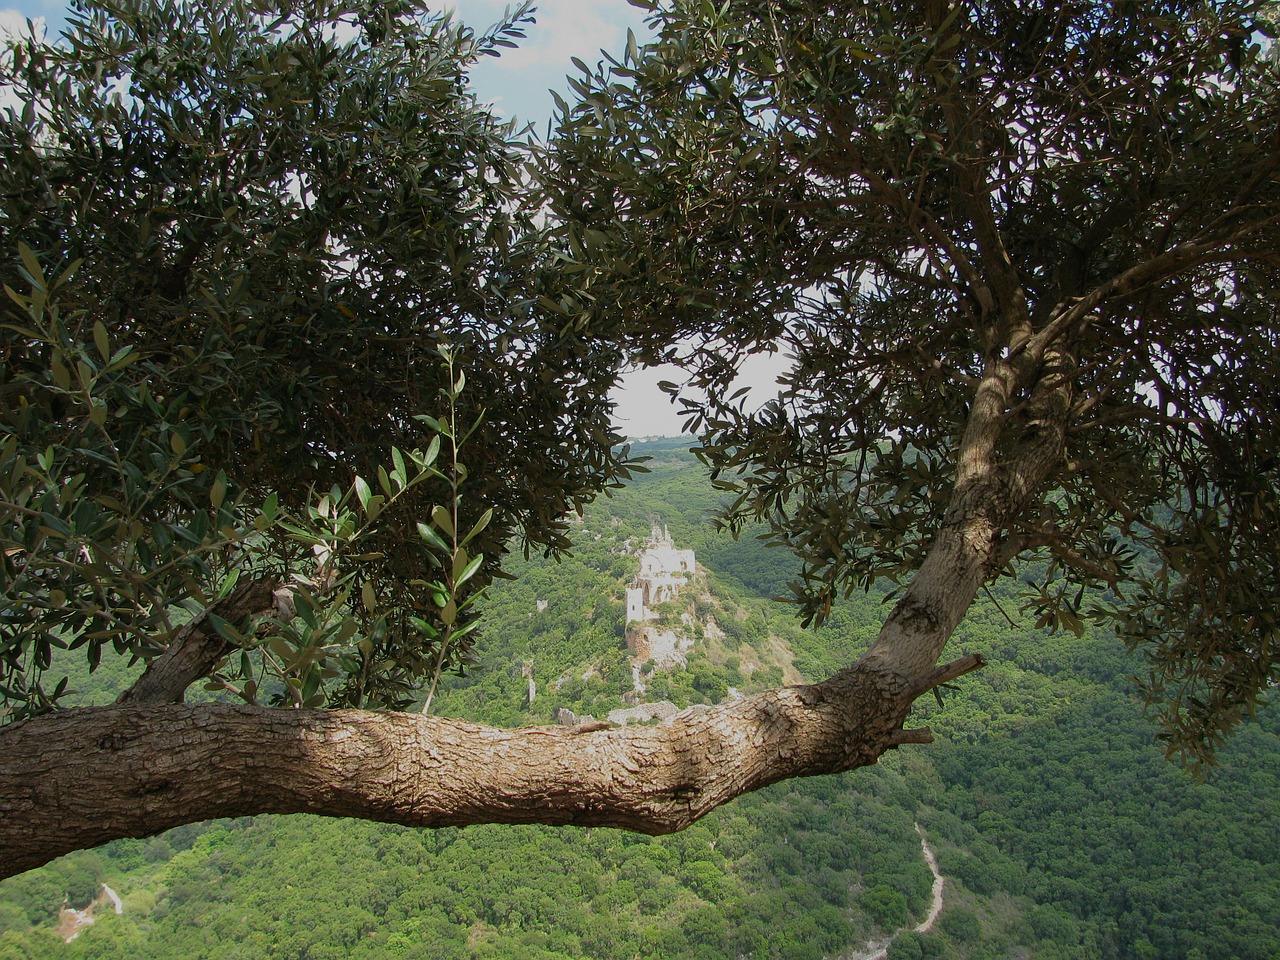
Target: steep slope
<point>1060,829</point>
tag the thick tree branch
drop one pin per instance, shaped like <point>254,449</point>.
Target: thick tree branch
<point>1160,267</point>
<point>82,777</point>
<point>990,492</point>
<point>197,647</point>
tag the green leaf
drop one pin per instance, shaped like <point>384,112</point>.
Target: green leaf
<point>468,571</point>
<point>228,583</point>
<point>424,627</point>
<point>122,358</point>
<point>433,452</point>
<point>460,560</point>
<point>218,491</point>
<point>61,375</point>
<point>469,627</point>
<point>479,526</point>
<point>432,539</point>
<point>32,264</point>
<point>363,493</point>
<point>102,341</point>
<point>443,520</point>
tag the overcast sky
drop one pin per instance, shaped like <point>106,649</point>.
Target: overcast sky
<point>517,84</point>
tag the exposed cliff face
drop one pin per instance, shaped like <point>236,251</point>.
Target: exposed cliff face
<point>666,648</point>
<point>661,639</point>
<point>684,641</point>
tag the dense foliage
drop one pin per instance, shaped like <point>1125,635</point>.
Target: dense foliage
<point>285,310</point>
<point>1039,236</point>
<point>1047,807</point>
<point>267,268</point>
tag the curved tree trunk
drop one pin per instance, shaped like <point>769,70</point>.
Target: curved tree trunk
<point>82,777</point>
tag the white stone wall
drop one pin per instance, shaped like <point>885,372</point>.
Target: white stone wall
<point>635,604</point>
<point>664,570</point>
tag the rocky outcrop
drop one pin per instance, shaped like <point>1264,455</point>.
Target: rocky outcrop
<point>642,713</point>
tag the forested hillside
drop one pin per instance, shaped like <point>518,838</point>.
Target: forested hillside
<point>1061,830</point>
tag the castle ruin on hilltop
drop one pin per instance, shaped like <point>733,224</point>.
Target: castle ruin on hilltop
<point>664,571</point>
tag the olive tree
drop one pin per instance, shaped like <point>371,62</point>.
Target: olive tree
<point>275,402</point>
<point>290,328</point>
<point>1024,257</point>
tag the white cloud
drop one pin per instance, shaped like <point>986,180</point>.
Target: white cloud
<point>517,82</point>
<point>565,29</point>
<point>13,25</point>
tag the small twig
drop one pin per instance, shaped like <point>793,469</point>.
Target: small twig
<point>947,672</point>
<point>915,735</point>
<point>1006,616</point>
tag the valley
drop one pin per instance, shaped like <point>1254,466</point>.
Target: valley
<point>1046,807</point>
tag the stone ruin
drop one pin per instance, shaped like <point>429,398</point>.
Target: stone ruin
<point>664,571</point>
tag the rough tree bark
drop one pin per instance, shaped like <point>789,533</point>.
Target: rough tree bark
<point>81,777</point>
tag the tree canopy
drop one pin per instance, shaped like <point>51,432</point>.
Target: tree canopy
<point>1027,246</point>
<point>298,341</point>
<point>242,247</point>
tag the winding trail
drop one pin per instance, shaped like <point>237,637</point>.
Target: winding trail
<point>879,949</point>
<point>935,906</point>
<point>71,922</point>
<point>115,898</point>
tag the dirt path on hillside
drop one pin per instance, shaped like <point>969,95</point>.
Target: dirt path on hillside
<point>879,949</point>
<point>935,906</point>
<point>71,922</point>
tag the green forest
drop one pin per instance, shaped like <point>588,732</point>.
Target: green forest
<point>1060,828</point>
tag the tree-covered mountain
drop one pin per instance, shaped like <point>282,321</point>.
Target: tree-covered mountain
<point>1061,830</point>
